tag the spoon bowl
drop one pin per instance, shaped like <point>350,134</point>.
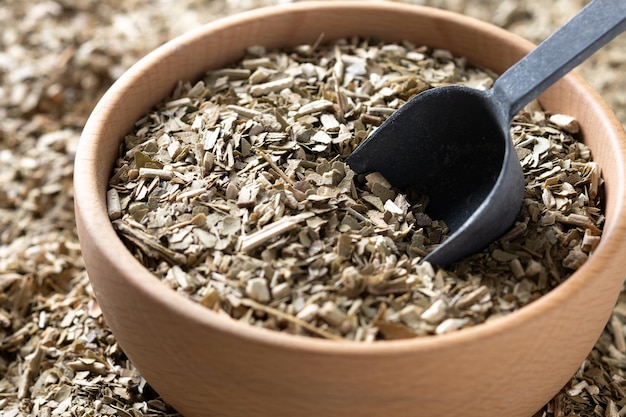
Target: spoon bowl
<point>460,155</point>
<point>453,143</point>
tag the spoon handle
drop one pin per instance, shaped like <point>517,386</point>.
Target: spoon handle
<point>592,28</point>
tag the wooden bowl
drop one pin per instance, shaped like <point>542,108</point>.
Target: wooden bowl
<point>205,364</point>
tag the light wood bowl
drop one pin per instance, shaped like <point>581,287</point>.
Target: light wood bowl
<point>208,365</point>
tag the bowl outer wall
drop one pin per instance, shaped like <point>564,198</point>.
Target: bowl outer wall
<point>204,364</point>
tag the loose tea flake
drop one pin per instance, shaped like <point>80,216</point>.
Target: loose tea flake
<point>236,182</point>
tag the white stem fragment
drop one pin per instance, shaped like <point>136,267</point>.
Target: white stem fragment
<point>254,240</point>
<point>114,206</point>
<point>314,107</point>
<point>153,172</point>
<point>271,86</point>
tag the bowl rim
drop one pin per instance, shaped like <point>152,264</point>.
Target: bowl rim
<point>99,230</point>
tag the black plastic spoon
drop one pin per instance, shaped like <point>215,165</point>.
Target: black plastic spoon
<point>453,143</point>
